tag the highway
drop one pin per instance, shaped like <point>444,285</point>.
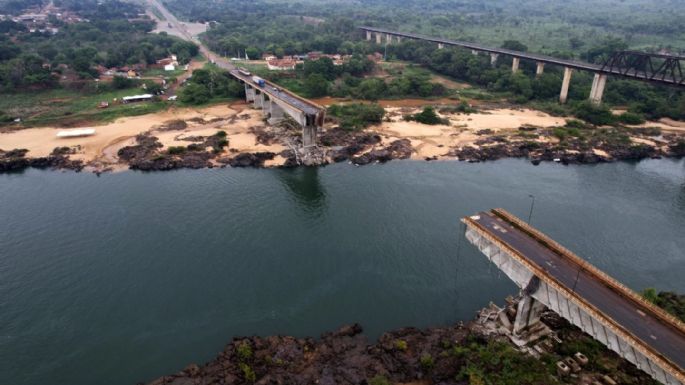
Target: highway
<point>530,56</point>
<point>635,318</point>
<point>271,89</point>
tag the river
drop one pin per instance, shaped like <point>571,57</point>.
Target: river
<point>129,276</point>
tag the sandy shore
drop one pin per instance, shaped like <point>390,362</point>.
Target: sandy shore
<point>240,122</point>
<point>100,150</point>
<point>435,141</point>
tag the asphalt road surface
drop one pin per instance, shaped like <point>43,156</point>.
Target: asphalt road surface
<point>633,316</point>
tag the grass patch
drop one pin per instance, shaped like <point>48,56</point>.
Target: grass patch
<point>67,107</point>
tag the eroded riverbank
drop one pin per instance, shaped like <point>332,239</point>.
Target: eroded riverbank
<point>183,138</point>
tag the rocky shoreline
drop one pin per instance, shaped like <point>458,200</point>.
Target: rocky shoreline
<point>470,353</point>
<point>575,143</point>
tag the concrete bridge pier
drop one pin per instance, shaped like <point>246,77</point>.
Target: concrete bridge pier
<point>527,314</point>
<point>515,64</point>
<point>441,46</point>
<point>276,113</point>
<point>540,68</point>
<point>388,38</point>
<point>266,105</point>
<point>597,90</point>
<point>493,59</point>
<point>563,96</point>
<point>308,136</point>
<point>258,100</point>
<point>474,52</point>
<point>399,39</point>
<point>368,35</point>
<point>249,93</point>
<point>379,36</point>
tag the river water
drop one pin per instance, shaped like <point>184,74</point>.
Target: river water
<point>129,276</point>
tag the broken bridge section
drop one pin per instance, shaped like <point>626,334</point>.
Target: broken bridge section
<point>553,277</point>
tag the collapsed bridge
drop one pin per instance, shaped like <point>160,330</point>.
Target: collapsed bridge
<point>553,277</point>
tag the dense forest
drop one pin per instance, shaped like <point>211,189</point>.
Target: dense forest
<point>591,33</point>
<point>113,35</point>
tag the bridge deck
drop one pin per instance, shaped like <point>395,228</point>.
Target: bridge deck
<point>275,91</point>
<point>526,55</point>
<point>639,320</point>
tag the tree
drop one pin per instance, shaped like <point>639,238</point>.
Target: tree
<point>597,115</point>
<point>323,66</point>
<point>194,94</point>
<point>316,85</point>
<point>514,45</point>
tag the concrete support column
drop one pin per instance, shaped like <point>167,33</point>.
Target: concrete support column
<point>378,38</point>
<point>258,100</point>
<point>388,38</point>
<point>540,68</point>
<point>249,93</point>
<point>493,59</point>
<point>515,65</point>
<point>597,90</point>
<point>441,46</point>
<point>399,39</point>
<point>276,113</point>
<point>527,314</point>
<point>474,52</point>
<point>266,106</point>
<point>368,35</point>
<point>308,136</point>
<point>564,85</point>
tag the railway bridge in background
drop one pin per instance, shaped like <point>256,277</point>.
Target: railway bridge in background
<point>655,68</point>
<point>553,277</point>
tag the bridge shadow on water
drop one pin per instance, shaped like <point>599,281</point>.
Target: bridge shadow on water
<point>305,187</point>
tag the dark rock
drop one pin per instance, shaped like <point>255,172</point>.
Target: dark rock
<point>256,159</point>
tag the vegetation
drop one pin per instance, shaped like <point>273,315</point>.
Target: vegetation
<point>244,352</point>
<point>427,116</point>
<point>495,362</point>
<point>70,107</point>
<point>671,302</point>
<point>208,84</point>
<point>357,116</point>
<point>113,36</point>
<point>401,345</point>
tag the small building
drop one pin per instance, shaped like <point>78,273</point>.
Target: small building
<point>169,67</point>
<point>137,98</point>
<point>281,64</point>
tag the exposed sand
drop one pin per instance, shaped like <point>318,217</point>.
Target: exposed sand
<point>102,147</point>
<point>430,141</point>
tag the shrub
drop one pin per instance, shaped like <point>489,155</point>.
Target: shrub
<point>427,362</point>
<point>176,150</point>
<point>221,134</point>
<point>631,118</point>
<point>427,116</point>
<point>357,116</point>
<point>401,345</point>
<point>597,115</point>
<point>248,372</point>
<point>244,351</point>
<point>575,123</point>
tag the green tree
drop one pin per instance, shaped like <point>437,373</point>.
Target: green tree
<point>316,85</point>
<point>194,94</point>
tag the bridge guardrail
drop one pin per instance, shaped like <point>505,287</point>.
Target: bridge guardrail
<point>614,326</point>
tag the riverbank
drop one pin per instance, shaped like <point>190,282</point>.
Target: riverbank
<point>177,139</point>
<point>475,353</point>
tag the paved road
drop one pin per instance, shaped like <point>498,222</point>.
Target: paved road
<point>222,62</point>
<point>525,55</point>
<point>633,316</point>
